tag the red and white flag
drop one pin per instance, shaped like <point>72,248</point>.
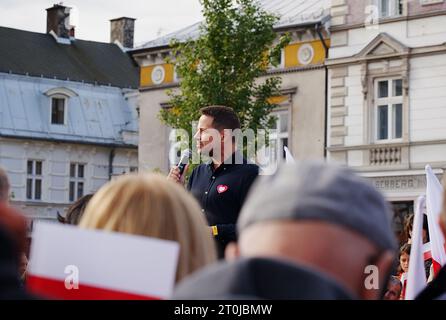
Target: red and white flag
<point>416,277</point>
<point>67,262</point>
<point>434,200</point>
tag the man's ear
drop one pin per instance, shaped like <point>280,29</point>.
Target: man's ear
<point>232,251</point>
<point>384,265</point>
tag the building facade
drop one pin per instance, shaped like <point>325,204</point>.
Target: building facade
<point>68,116</point>
<point>387,84</point>
<point>302,104</point>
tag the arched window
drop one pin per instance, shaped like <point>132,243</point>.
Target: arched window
<point>59,104</point>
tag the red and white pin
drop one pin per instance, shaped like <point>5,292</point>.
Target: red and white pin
<point>222,188</point>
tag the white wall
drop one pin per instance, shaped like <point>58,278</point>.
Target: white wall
<point>153,134</point>
<point>355,105</point>
<point>427,101</point>
<point>428,98</point>
<point>56,159</point>
<point>413,33</point>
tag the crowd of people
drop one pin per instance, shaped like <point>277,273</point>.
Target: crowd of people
<point>309,231</point>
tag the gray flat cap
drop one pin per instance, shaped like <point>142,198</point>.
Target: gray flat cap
<point>320,191</point>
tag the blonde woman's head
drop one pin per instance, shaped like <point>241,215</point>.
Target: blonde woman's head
<point>150,205</point>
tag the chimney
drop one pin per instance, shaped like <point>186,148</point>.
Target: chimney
<point>58,21</point>
<point>122,29</point>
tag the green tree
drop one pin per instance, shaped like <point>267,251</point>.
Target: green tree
<point>236,45</point>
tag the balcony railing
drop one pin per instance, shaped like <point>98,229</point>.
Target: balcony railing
<point>385,156</point>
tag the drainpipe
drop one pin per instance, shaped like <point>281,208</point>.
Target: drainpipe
<point>318,30</point>
<point>111,157</point>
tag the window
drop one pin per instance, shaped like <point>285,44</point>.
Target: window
<point>58,111</point>
<point>278,138</point>
<point>77,181</point>
<point>389,109</point>
<point>133,169</point>
<point>58,104</point>
<point>34,180</point>
<point>270,156</point>
<point>390,8</point>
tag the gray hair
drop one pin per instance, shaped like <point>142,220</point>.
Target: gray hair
<point>4,186</point>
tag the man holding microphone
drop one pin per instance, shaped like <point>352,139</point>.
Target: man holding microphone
<point>221,185</point>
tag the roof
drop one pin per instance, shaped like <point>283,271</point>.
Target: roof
<point>190,32</point>
<point>298,12</point>
<point>39,54</point>
<point>291,13</point>
<point>95,114</point>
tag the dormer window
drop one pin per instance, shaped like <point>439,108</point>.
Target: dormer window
<point>58,110</point>
<point>59,98</point>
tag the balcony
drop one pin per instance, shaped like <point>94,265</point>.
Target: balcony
<point>385,156</point>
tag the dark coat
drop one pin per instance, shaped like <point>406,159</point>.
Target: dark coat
<point>435,289</point>
<point>259,278</point>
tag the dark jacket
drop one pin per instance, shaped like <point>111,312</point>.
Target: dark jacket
<point>221,194</point>
<point>435,289</point>
<point>259,278</point>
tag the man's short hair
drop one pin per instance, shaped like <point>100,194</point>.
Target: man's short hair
<point>224,117</point>
<point>4,186</point>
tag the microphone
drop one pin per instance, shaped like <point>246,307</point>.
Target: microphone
<point>185,156</point>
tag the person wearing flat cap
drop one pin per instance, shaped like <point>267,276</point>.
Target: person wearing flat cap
<point>310,231</point>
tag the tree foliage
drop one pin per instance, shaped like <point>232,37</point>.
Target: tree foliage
<point>237,43</point>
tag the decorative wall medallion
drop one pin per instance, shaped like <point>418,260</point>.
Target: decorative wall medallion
<point>158,75</point>
<point>305,54</point>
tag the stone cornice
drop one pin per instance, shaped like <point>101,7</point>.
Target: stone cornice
<point>344,27</point>
<point>386,145</point>
<point>413,52</point>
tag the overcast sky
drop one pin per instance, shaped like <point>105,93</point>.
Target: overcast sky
<point>154,17</point>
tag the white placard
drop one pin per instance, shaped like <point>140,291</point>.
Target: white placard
<point>111,262</point>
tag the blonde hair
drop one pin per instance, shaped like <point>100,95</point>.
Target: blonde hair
<point>150,205</point>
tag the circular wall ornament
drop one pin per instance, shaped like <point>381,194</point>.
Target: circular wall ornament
<point>305,54</point>
<point>158,75</point>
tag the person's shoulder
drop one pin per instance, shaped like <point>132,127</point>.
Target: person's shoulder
<point>251,167</point>
<point>239,279</point>
<point>200,168</point>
